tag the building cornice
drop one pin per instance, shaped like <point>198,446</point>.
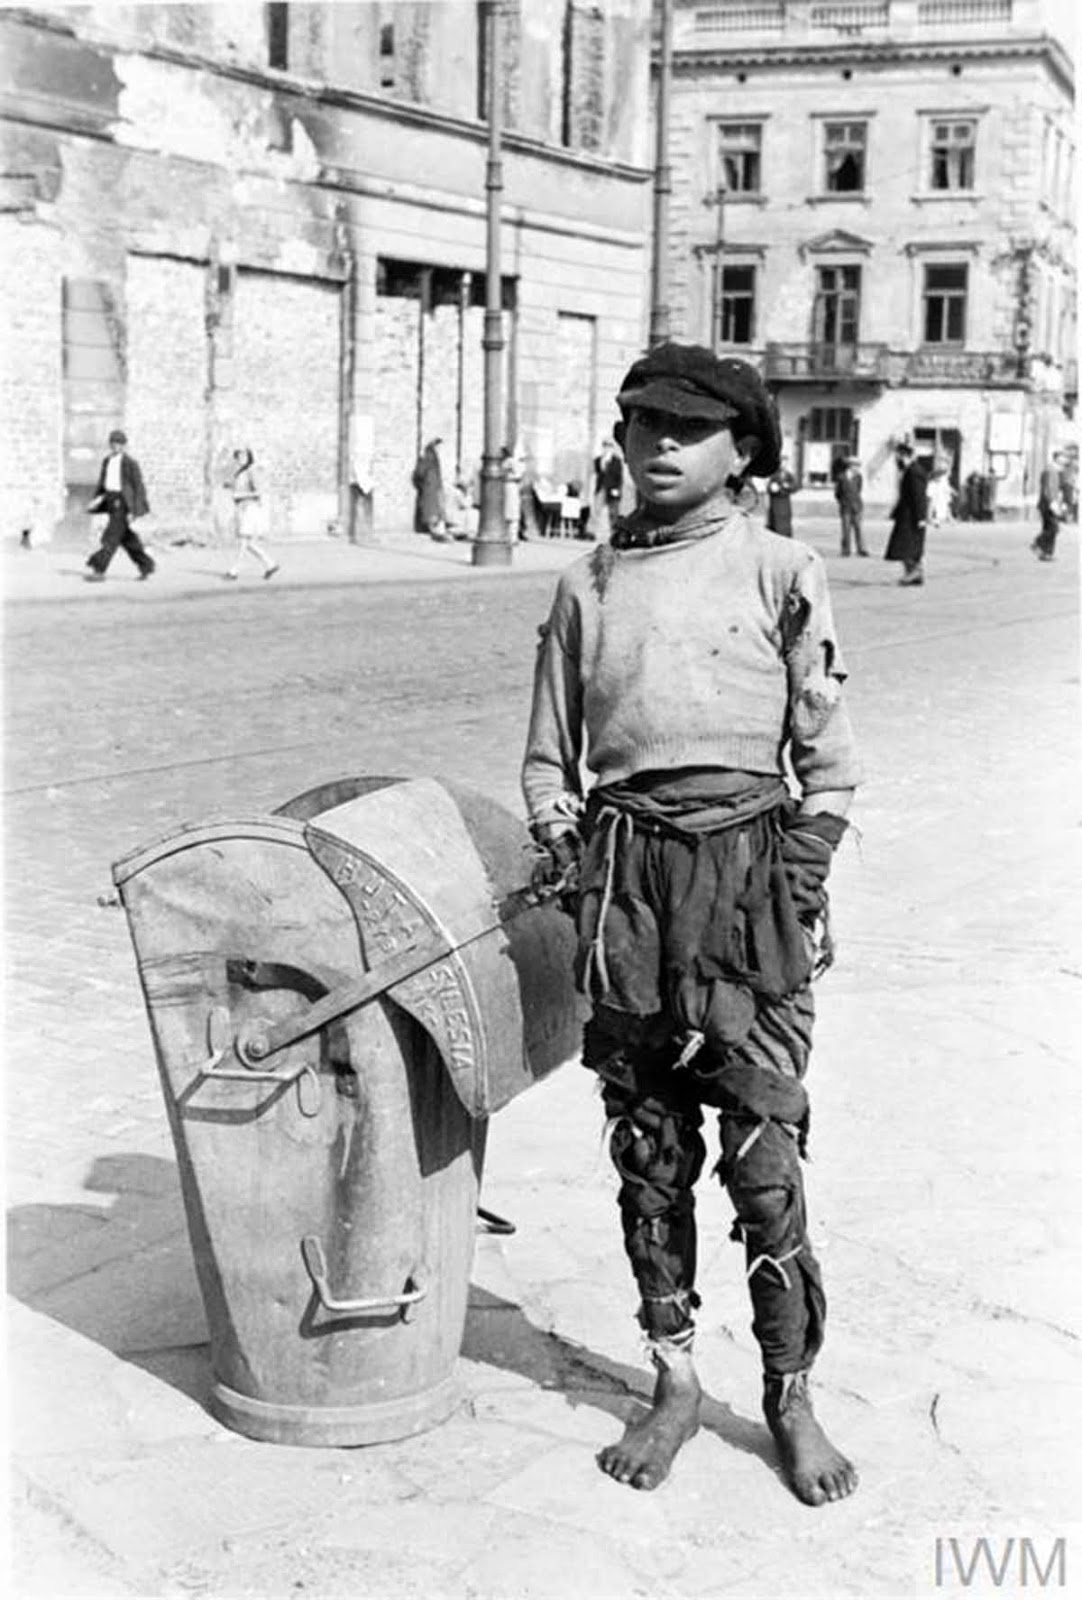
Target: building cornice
<point>708,60</point>
<point>311,91</point>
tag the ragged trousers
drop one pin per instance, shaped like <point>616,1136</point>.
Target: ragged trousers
<point>748,1068</point>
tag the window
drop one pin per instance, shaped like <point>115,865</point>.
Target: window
<point>844,146</point>
<point>277,18</point>
<point>945,289</point>
<point>836,317</point>
<point>582,115</point>
<point>739,156</point>
<point>953,146</point>
<point>831,425</point>
<point>827,435</point>
<point>737,309</point>
<point>386,55</point>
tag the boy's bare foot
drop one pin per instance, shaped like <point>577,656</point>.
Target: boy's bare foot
<point>648,1448</point>
<point>816,1471</point>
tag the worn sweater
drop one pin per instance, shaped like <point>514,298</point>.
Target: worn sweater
<point>715,651</point>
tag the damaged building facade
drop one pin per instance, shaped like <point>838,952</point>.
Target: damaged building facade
<point>264,226</point>
<point>875,202</point>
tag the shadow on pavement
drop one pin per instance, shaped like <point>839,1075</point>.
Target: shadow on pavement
<point>122,1275</point>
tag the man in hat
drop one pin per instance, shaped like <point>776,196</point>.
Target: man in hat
<point>122,495</point>
<point>683,664</point>
<point>1051,507</point>
<point>909,518</point>
<point>849,493</point>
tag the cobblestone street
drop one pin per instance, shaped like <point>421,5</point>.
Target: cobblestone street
<point>944,1088</point>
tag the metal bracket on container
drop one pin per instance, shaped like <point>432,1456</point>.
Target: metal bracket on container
<point>316,1263</point>
<point>219,1026</point>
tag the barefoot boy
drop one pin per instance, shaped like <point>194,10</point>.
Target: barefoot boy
<point>689,665</point>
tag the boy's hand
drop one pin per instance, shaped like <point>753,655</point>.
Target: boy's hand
<point>559,849</point>
<point>807,849</point>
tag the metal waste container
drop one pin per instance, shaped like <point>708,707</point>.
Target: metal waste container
<point>340,994</point>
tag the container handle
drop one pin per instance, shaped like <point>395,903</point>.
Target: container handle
<point>316,1263</point>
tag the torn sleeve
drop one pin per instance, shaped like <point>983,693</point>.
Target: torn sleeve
<point>821,743</point>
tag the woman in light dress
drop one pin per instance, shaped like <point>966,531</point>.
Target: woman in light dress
<point>247,516</point>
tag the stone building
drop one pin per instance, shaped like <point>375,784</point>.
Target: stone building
<point>264,225</point>
<point>874,200</point>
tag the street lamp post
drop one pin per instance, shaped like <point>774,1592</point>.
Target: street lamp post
<point>659,304</point>
<point>492,547</point>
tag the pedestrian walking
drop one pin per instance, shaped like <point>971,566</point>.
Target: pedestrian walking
<point>849,493</point>
<point>939,493</point>
<point>608,488</point>
<point>121,494</point>
<point>779,500</point>
<point>1051,507</point>
<point>685,662</point>
<point>909,518</point>
<point>511,471</point>
<point>247,516</point>
<point>430,512</point>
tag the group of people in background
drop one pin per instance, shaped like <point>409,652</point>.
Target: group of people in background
<point>532,506</point>
<point>925,499</point>
<point>121,496</point>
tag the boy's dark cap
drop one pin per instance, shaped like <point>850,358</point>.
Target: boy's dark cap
<point>118,436</point>
<point>688,380</point>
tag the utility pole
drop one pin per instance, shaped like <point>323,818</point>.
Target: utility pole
<point>492,547</point>
<point>659,301</point>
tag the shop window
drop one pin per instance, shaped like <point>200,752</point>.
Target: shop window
<point>828,435</point>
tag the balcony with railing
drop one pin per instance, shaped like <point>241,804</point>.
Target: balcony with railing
<point>827,363</point>
<point>772,22</point>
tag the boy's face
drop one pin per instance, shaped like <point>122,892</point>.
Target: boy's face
<point>678,463</point>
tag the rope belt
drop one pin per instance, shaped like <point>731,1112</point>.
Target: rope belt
<point>611,819</point>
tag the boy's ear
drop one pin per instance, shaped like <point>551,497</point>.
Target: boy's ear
<point>619,433</point>
<point>747,448</point>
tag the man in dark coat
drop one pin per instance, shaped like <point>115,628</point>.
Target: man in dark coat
<point>430,511</point>
<point>779,501</point>
<point>122,495</point>
<point>849,493</point>
<point>910,518</point>
<point>1051,507</point>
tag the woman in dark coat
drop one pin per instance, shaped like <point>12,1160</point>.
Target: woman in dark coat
<point>910,518</point>
<point>779,494</point>
<point>430,511</point>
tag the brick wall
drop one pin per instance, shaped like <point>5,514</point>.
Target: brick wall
<point>576,397</point>
<point>277,394</point>
<point>207,176</point>
<point>166,411</point>
<point>31,451</point>
<point>390,359</point>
